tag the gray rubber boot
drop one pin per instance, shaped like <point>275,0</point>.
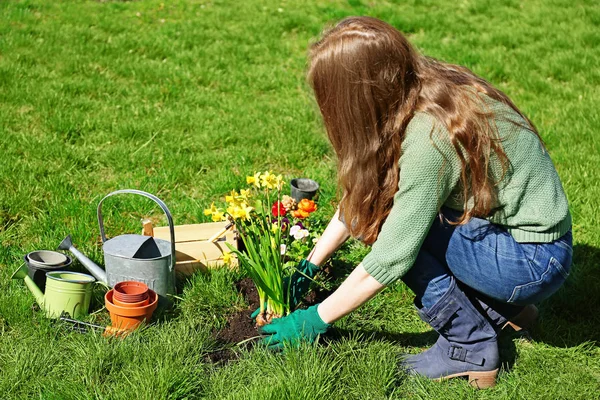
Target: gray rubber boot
<point>467,346</point>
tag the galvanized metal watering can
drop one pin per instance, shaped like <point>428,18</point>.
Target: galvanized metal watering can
<point>133,257</point>
<point>66,291</point>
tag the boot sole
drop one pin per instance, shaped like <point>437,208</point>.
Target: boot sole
<point>477,379</point>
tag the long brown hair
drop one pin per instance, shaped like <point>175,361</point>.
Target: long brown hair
<point>368,82</point>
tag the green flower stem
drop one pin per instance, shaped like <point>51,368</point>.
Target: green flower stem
<point>263,261</point>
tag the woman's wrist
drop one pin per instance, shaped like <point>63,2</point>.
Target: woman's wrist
<point>312,259</point>
<point>332,238</point>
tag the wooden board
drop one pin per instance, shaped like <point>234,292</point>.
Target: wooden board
<point>192,249</point>
<point>193,232</point>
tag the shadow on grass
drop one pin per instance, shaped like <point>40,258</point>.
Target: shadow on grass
<point>508,352</point>
<point>570,317</point>
<point>415,339</point>
<point>171,310</point>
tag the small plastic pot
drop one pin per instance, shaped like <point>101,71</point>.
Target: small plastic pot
<point>129,318</point>
<point>130,291</point>
<point>303,188</point>
<point>46,258</point>
<point>130,305</point>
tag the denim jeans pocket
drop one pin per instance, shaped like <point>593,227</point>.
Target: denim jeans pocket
<point>549,282</point>
<point>559,267</point>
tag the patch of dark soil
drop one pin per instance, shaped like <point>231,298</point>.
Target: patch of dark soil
<point>248,290</point>
<point>221,356</point>
<point>316,296</point>
<point>239,327</point>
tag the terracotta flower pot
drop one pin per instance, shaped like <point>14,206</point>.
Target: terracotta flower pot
<point>130,291</point>
<point>129,318</point>
<point>128,304</point>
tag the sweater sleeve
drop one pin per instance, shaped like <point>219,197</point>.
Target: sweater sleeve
<point>429,171</point>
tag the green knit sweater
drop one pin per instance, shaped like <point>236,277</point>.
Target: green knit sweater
<point>532,205</point>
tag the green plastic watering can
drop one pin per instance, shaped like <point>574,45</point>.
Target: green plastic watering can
<point>66,291</point>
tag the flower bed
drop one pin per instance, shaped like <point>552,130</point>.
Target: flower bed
<point>275,233</point>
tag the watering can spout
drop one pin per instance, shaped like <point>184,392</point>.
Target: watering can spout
<point>37,293</point>
<point>21,273</point>
<point>99,273</point>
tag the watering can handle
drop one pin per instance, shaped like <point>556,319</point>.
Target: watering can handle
<point>151,197</point>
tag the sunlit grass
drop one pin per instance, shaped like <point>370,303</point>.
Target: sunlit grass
<point>184,99</point>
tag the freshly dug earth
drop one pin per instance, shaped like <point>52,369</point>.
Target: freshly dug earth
<point>316,296</point>
<point>240,326</point>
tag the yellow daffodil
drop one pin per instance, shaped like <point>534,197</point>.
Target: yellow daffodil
<point>279,182</point>
<point>233,197</point>
<point>208,211</point>
<point>218,216</point>
<point>264,179</point>
<point>215,213</point>
<point>227,258</point>
<point>254,180</point>
<point>233,211</point>
<point>241,211</point>
<point>244,194</point>
<point>269,180</point>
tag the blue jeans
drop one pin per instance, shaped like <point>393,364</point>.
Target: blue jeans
<point>487,259</point>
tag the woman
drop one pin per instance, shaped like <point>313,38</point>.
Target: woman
<point>450,184</point>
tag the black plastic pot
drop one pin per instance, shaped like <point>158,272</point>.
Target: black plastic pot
<point>303,188</point>
<point>37,272</point>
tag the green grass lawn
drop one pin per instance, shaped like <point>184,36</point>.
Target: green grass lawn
<point>183,99</point>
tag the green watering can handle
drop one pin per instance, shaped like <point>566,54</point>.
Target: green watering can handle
<point>151,197</point>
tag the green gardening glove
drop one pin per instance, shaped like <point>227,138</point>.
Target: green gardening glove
<point>292,329</point>
<point>299,283</point>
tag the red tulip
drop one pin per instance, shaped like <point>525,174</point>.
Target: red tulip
<point>278,209</point>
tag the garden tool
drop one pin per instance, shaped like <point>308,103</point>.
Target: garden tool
<point>133,257</point>
<point>65,291</point>
<point>86,327</point>
<point>220,233</point>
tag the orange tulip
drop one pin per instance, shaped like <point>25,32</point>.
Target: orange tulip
<point>301,214</point>
<point>308,206</point>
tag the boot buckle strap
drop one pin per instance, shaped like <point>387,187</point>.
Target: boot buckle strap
<point>461,354</point>
<point>457,353</point>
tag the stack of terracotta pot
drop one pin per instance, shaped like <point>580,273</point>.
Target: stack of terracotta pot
<point>130,303</point>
